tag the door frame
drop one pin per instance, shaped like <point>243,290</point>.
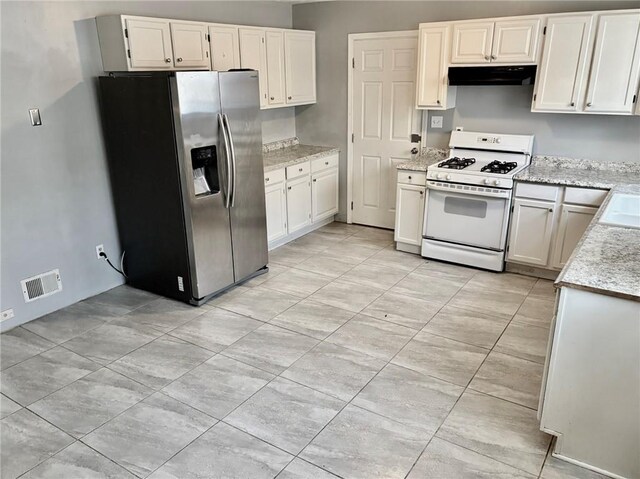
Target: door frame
<point>352,37</point>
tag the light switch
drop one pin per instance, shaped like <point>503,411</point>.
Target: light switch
<point>436,122</point>
<point>34,113</point>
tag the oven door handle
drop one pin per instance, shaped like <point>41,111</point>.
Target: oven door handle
<point>506,194</point>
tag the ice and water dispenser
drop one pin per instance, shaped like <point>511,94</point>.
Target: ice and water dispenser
<point>204,163</point>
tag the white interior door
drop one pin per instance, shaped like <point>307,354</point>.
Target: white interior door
<point>384,117</point>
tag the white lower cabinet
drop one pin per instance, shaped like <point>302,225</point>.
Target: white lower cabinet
<point>547,223</point>
<point>300,198</point>
<point>276,207</point>
<point>409,214</point>
<point>574,221</point>
<point>324,194</point>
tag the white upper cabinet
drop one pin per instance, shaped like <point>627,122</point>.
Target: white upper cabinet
<point>274,40</point>
<point>432,88</point>
<point>224,44</point>
<point>509,40</point>
<point>561,75</point>
<point>516,41</point>
<point>190,46</point>
<point>253,55</point>
<point>300,62</point>
<point>613,80</point>
<point>472,42</point>
<point>149,44</point>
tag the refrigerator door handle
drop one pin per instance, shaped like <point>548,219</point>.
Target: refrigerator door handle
<point>223,127</point>
<point>233,159</point>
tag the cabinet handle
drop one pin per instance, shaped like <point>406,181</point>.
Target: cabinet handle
<point>272,98</point>
<point>167,60</point>
<point>179,59</point>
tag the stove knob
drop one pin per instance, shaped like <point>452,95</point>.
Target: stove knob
<point>496,182</point>
<point>438,176</point>
<point>448,177</point>
<point>486,181</point>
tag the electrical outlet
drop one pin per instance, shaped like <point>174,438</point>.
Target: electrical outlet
<point>99,249</point>
<point>6,314</point>
<point>436,121</point>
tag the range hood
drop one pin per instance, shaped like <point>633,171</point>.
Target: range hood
<point>492,75</point>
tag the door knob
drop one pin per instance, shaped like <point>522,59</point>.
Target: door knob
<point>414,151</point>
<point>179,59</point>
<point>167,60</point>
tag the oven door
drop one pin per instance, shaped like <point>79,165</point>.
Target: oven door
<point>476,217</point>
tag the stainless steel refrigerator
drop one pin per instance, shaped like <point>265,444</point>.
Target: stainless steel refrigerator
<point>185,160</point>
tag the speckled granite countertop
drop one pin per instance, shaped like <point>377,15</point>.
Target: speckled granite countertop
<point>607,258</point>
<point>285,153</point>
<point>582,173</point>
<point>427,157</point>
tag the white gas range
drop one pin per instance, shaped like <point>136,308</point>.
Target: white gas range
<point>469,198</point>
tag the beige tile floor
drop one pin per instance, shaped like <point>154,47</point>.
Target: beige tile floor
<point>348,359</point>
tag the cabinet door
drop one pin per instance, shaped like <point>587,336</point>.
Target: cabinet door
<point>472,42</point>
<point>276,207</point>
<point>409,214</point>
<point>531,231</point>
<point>275,67</point>
<point>298,203</point>
<point>574,221</point>
<point>432,68</point>
<point>561,77</point>
<point>300,63</point>
<point>616,62</point>
<point>149,44</point>
<point>225,47</point>
<point>515,41</point>
<point>190,46</point>
<point>324,194</point>
<point>253,55</point>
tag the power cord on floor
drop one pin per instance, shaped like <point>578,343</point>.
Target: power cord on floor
<point>104,255</point>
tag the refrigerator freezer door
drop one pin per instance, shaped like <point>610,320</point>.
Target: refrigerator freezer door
<point>196,104</point>
<point>240,99</point>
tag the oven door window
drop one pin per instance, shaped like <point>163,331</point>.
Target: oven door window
<point>466,219</point>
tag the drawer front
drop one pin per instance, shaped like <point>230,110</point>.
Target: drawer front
<point>584,196</point>
<point>412,178</point>
<point>300,169</point>
<point>324,163</point>
<point>537,192</point>
<point>273,176</point>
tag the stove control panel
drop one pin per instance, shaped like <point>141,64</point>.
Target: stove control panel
<point>489,139</point>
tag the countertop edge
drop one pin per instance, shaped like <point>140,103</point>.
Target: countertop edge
<point>314,156</point>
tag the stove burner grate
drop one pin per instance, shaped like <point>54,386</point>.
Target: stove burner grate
<point>457,163</point>
<point>499,167</point>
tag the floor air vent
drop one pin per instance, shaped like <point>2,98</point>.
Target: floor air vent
<point>41,285</point>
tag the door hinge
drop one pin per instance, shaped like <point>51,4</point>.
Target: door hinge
<point>353,137</point>
<point>208,38</point>
<point>416,138</point>
<point>129,53</point>
<point>544,31</point>
<point>262,39</point>
<point>534,97</point>
<point>126,33</point>
<point>352,205</point>
<point>353,62</point>
<point>512,208</point>
<point>635,97</point>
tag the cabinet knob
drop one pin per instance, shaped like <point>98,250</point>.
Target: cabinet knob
<point>314,180</point>
<point>273,98</point>
<point>438,102</point>
<point>326,162</point>
<point>493,57</point>
<point>179,59</point>
<point>167,60</point>
<point>288,187</point>
<point>300,170</point>
<point>589,104</point>
<point>409,177</point>
<point>573,103</point>
<point>550,210</point>
<point>487,57</point>
<point>266,179</point>
<point>421,193</point>
<point>288,98</point>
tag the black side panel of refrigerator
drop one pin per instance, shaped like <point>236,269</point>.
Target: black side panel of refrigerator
<point>141,149</point>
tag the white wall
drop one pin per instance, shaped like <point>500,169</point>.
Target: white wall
<point>56,203</point>
<point>503,109</point>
